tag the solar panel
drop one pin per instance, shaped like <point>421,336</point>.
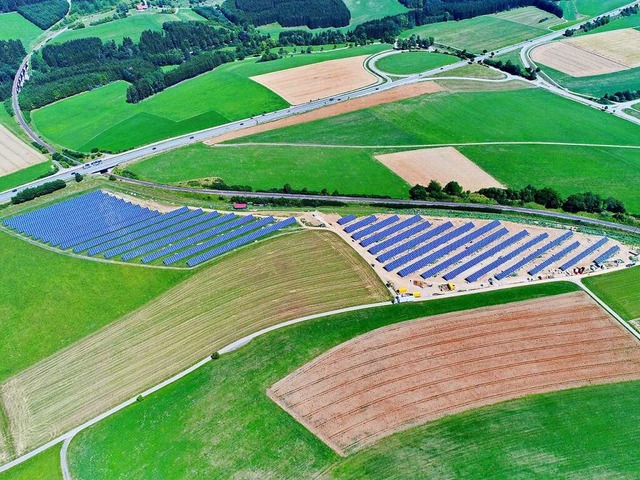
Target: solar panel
<point>375,227</point>
<point>360,223</point>
<point>390,242</point>
<point>486,254</point>
<point>534,255</point>
<point>447,249</point>
<point>347,219</point>
<point>239,242</point>
<point>606,255</point>
<point>418,252</point>
<point>571,262</point>
<point>505,258</point>
<point>465,253</point>
<point>381,235</point>
<point>554,258</point>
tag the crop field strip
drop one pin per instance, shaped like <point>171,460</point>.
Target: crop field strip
<point>450,252</point>
<point>101,224</point>
<point>250,290</point>
<point>400,376</point>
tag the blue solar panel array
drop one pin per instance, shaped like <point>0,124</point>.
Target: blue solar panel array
<point>505,258</point>
<point>465,253</point>
<point>534,255</point>
<point>400,237</point>
<point>606,255</point>
<point>484,255</point>
<point>98,223</point>
<point>418,252</point>
<point>392,229</point>
<point>554,258</point>
<point>572,261</point>
<point>360,224</point>
<point>448,248</point>
<point>239,242</point>
<point>346,219</point>
<point>375,227</point>
<point>414,242</point>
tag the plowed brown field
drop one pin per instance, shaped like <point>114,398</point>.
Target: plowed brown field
<point>400,376</point>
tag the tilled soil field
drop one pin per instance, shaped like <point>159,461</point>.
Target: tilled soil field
<point>407,374</point>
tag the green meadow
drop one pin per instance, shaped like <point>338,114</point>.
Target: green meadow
<point>14,26</point>
<point>598,85</point>
<point>25,175</point>
<point>131,26</point>
<point>49,300</point>
<point>102,118</point>
<point>620,290</point>
<point>349,171</point>
<point>408,63</point>
<point>487,32</point>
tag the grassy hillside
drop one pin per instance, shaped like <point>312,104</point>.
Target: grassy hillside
<point>48,300</point>
<point>487,32</point>
<point>14,26</point>
<point>102,118</point>
<point>271,167</point>
<point>620,290</point>
<point>220,422</point>
<point>250,289</point>
<point>132,26</point>
<point>413,62</point>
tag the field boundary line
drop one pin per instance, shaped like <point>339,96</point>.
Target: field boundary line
<point>66,437</point>
<point>423,145</point>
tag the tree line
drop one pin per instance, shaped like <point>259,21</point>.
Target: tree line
<point>35,192</point>
<point>11,54</point>
<point>63,70</point>
<point>43,13</point>
<point>288,13</point>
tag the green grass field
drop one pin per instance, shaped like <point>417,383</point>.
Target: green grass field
<point>596,7</point>
<point>14,26</point>
<point>597,85</point>
<point>102,118</point>
<point>569,9</point>
<point>49,300</point>
<point>487,32</point>
<point>414,62</point>
<point>556,166</point>
<point>520,115</point>
<point>24,176</point>
<point>532,16</point>
<point>620,290</point>
<point>131,26</point>
<point>632,21</point>
<point>266,167</point>
<point>218,422</point>
<point>45,466</point>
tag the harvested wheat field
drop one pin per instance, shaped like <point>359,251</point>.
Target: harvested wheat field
<point>14,154</point>
<point>274,281</point>
<point>320,80</point>
<point>596,54</point>
<point>410,373</point>
<point>443,164</point>
<point>381,98</point>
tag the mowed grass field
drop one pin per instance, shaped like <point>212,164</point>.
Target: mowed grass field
<point>14,26</point>
<point>596,7</point>
<point>102,118</point>
<point>519,115</point>
<point>44,466</point>
<point>414,62</point>
<point>256,287</point>
<point>488,32</point>
<point>131,26</point>
<point>25,175</point>
<point>49,300</point>
<point>219,423</point>
<point>597,85</point>
<point>632,21</point>
<point>265,167</point>
<point>620,290</point>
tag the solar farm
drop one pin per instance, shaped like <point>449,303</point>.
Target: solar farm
<point>423,252</point>
<point>99,224</point>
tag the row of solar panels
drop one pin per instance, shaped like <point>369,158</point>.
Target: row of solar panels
<point>100,224</point>
<point>416,242</point>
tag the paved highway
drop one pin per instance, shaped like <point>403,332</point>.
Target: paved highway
<point>382,201</point>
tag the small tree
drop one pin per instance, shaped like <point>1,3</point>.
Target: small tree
<point>78,177</point>
<point>453,188</point>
